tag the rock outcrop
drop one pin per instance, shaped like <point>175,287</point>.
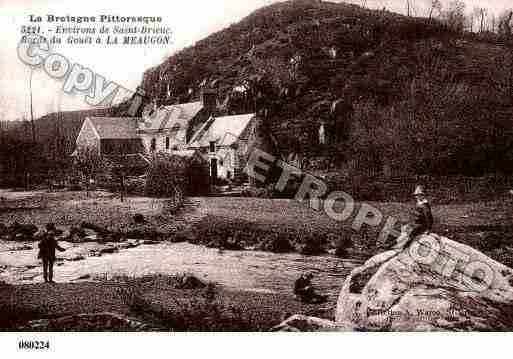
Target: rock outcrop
<point>433,284</point>
<point>303,323</point>
<point>89,322</point>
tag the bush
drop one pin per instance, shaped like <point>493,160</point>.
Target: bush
<point>95,228</point>
<point>343,243</point>
<point>167,176</point>
<point>135,186</point>
<point>139,218</point>
<point>202,312</point>
<point>365,240</point>
<point>22,232</point>
<point>142,231</point>
<point>503,255</point>
<point>313,246</point>
<point>276,243</point>
<point>494,240</point>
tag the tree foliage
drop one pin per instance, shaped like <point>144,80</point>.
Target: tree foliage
<point>89,163</point>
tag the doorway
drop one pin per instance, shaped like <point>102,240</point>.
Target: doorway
<point>213,168</point>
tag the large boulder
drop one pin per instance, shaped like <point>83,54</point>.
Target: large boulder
<point>433,284</point>
<point>430,284</point>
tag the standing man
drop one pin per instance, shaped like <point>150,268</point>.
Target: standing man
<point>47,247</point>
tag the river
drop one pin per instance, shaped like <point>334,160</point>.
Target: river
<point>242,270</point>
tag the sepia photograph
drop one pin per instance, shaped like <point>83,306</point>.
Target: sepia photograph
<point>255,166</point>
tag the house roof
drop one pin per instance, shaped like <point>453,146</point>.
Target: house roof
<point>225,130</point>
<point>115,127</point>
<point>167,117</point>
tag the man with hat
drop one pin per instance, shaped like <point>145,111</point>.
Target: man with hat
<point>422,221</point>
<point>47,247</point>
<point>423,218</point>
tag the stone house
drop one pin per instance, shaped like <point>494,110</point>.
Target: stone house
<point>110,136</point>
<point>224,142</point>
<point>163,129</point>
<point>183,129</point>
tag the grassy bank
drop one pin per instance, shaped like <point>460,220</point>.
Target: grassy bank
<point>102,209</point>
<point>160,301</point>
<point>237,223</point>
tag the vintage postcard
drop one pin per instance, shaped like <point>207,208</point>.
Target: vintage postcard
<point>256,166</point>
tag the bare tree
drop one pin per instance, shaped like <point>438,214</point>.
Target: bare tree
<point>471,19</point>
<point>454,15</point>
<point>33,126</point>
<point>89,164</point>
<point>481,13</point>
<point>434,6</point>
<point>506,32</point>
<point>505,23</point>
<point>492,23</point>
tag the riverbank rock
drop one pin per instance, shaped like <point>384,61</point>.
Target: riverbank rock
<point>142,231</point>
<point>22,232</point>
<point>303,323</point>
<point>109,250</point>
<point>434,284</point>
<point>313,247</point>
<point>189,281</point>
<point>89,322</point>
<point>276,244</point>
<point>3,229</point>
<point>229,244</point>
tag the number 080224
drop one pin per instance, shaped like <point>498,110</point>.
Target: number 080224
<point>33,345</point>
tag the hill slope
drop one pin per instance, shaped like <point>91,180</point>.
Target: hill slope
<point>396,95</point>
<point>405,93</point>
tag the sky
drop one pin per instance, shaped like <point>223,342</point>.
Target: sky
<point>190,20</point>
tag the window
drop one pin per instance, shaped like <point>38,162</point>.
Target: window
<point>153,145</point>
<point>212,146</point>
<point>167,143</point>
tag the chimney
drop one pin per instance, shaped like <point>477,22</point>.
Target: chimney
<point>209,99</point>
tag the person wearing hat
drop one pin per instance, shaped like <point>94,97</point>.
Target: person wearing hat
<point>423,221</point>
<point>47,246</point>
<point>304,290</point>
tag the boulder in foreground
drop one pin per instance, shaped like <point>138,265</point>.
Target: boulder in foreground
<point>434,284</point>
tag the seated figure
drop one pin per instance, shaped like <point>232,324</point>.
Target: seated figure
<point>304,290</point>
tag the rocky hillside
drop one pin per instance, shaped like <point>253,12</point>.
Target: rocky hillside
<point>396,95</point>
<point>404,93</point>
